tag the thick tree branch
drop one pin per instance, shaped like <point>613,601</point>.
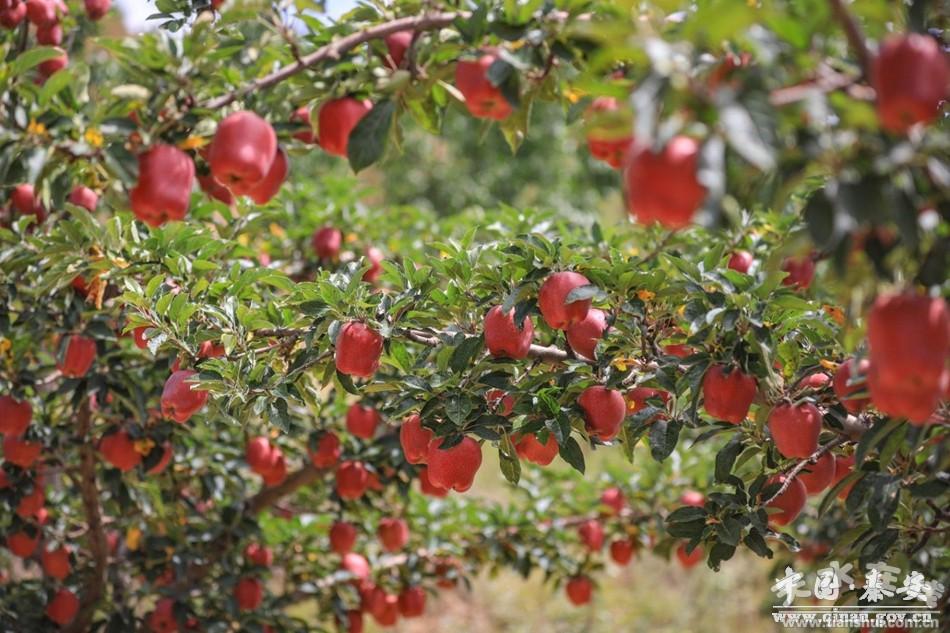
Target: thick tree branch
<point>854,34</point>
<point>334,50</point>
<point>268,496</point>
<point>94,586</point>
<point>800,466</point>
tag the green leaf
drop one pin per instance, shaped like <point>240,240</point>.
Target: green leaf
<point>755,542</point>
<point>570,451</point>
<point>663,437</point>
<point>367,141</point>
<point>726,457</point>
<point>464,352</point>
<point>458,407</point>
<point>32,57</point>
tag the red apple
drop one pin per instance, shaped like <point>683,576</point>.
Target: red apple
<point>426,486</point>
<point>728,393</point>
<point>846,383</point>
<point>49,34</point>
<point>327,452</point>
<point>614,499</point>
<point>248,593</point>
<point>356,565</point>
<point>638,399</point>
<point>260,455</point>
<point>84,197</point>
<point>844,466</point>
<point>267,188</point>
<point>503,337</point>
<point>483,99</point>
<point>278,472</point>
<point>362,421</point>
<point>358,348</point>
<point>22,544</point>
<point>163,192</point>
<point>604,411</point>
<point>741,261</point>
<point>375,258</point>
<point>814,381</point>
<point>579,590</point>
<point>354,621</point>
<point>384,607</point>
<point>680,350</point>
<point>209,349</point>
<point>180,398</point>
<point>56,562</point>
<point>584,335</point>
<point>167,454</point>
<point>818,476</point>
<point>24,201</point>
<point>119,450</point>
<point>96,9</point>
<point>396,46</point>
<point>909,340</point>
<point>690,559</point>
<point>604,143</point>
<point>412,602</point>
<point>801,270</point>
<point>242,152</point>
<point>693,498</point>
<point>393,534</point>
<point>326,242</point>
<point>795,429</point>
<point>15,415</point>
<point>663,187</point>
<point>342,537</point>
<point>215,190</point>
<point>351,480</point>
<point>336,120</point>
<point>162,618</point>
<point>414,439</point>
<point>11,17</point>
<point>257,554</point>
<point>531,449</point>
<point>31,504</point>
<point>63,607</point>
<point>78,357</point>
<point>454,468</point>
<point>621,551</point>
<point>21,452</point>
<point>41,12</point>
<point>591,534</point>
<point>302,115</point>
<point>789,502</point>
<point>910,75</point>
<point>499,402</point>
<point>552,300</point>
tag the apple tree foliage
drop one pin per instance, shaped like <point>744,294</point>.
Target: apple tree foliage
<point>795,167</point>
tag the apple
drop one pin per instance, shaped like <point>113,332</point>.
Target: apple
<point>302,115</point>
<point>680,350</point>
<point>21,452</point>
<point>119,450</point>
<point>909,341</point>
<point>818,476</point>
<point>209,349</point>
<point>138,337</point>
<point>414,439</point>
<point>180,398</point>
<point>426,486</point>
<point>605,144</point>
<point>354,621</point>
<point>278,472</point>
<point>242,152</point>
<point>78,358</point>
<point>375,258</point>
<point>357,565</point>
<point>663,187</point>
<point>728,393</point>
<point>384,607</point>
<point>41,12</point>
<point>49,34</point>
<point>454,468</point>
<point>814,381</point>
<point>693,498</point>
<point>604,411</point>
<point>483,99</point>
<point>267,188</point>
<point>396,46</point>
<point>215,190</point>
<point>96,9</point>
<point>393,534</point>
<point>63,607</point>
<point>499,402</point>
<point>31,504</point>
<point>11,17</point>
<point>789,502</point>
<point>591,534</point>
<point>327,452</point>
<point>689,559</point>
<point>248,593</point>
<point>352,480</point>
<point>56,562</point>
<point>614,499</point>
<point>910,75</point>
<point>362,421</point>
<point>84,197</point>
<point>257,554</point>
<point>584,335</point>
<point>801,271</point>
<point>579,590</point>
<point>162,618</point>
<point>342,537</point>
<point>844,466</point>
<point>24,201</point>
<point>552,300</point>
<point>22,544</point>
<point>741,261</point>
<point>531,449</point>
<point>358,348</point>
<point>504,338</point>
<point>163,191</point>
<point>638,398</point>
<point>326,242</point>
<point>621,551</point>
<point>260,455</point>
<point>795,429</point>
<point>412,602</point>
<point>846,383</point>
<point>336,120</point>
<point>167,454</point>
<point>15,415</point>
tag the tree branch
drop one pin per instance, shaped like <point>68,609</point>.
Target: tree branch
<point>800,466</point>
<point>268,496</point>
<point>552,354</point>
<point>854,34</point>
<point>334,50</point>
<point>95,583</point>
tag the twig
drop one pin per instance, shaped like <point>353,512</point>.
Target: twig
<point>800,466</point>
<point>95,583</point>
<point>552,354</point>
<point>854,34</point>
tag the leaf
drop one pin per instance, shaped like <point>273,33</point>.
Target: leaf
<point>570,451</point>
<point>663,437</point>
<point>581,293</point>
<point>464,352</point>
<point>508,460</point>
<point>31,58</point>
<point>367,141</point>
<point>458,407</point>
<point>755,542</point>
<point>726,457</point>
<point>720,552</point>
<point>745,138</point>
<point>686,514</point>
